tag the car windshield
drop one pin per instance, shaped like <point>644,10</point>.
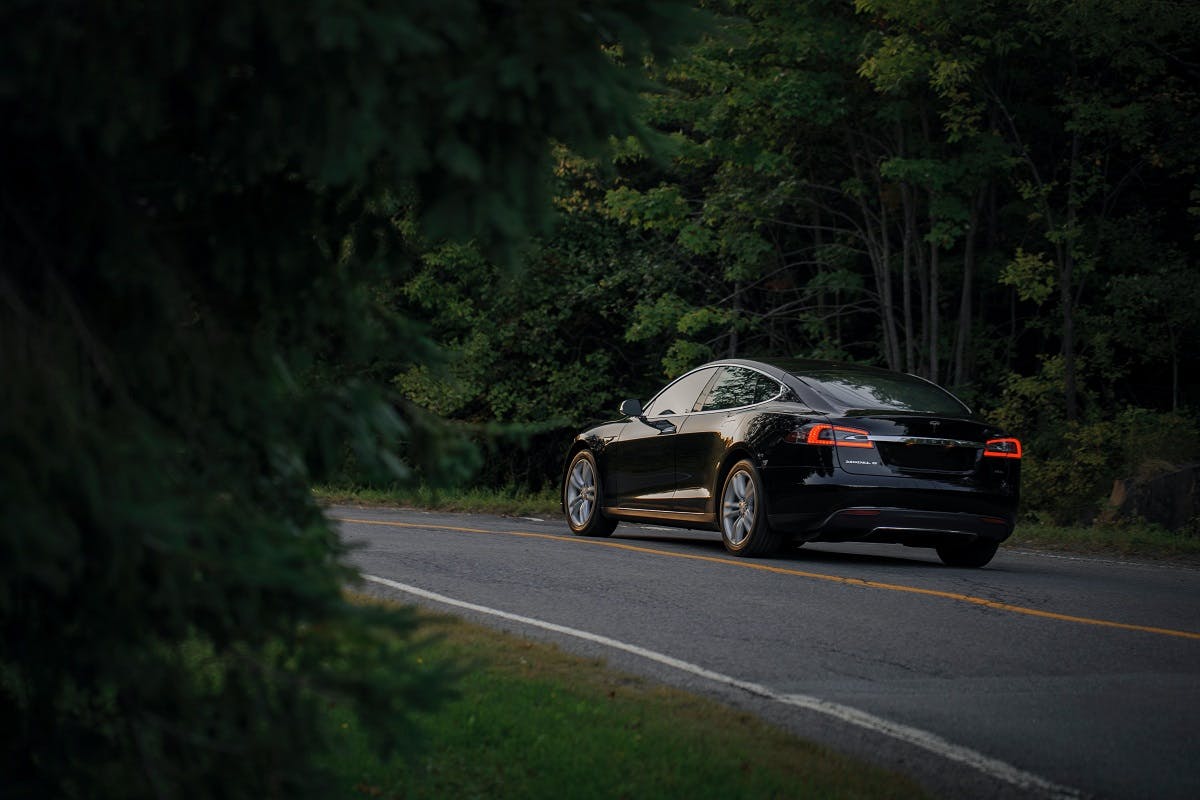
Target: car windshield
<point>852,389</point>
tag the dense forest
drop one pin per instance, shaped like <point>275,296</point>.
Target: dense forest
<point>250,247</point>
<point>1000,197</point>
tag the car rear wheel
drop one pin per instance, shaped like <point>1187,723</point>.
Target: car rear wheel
<point>582,498</point>
<point>976,554</point>
<point>743,514</point>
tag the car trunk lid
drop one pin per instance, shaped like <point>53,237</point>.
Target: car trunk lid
<point>919,444</point>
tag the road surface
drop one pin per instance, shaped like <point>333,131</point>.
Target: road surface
<point>1040,675</point>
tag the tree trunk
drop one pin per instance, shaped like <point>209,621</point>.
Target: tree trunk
<point>934,312</point>
<point>906,243</point>
<point>879,251</point>
<point>737,313</point>
<point>1174,374</point>
<point>910,246</point>
<point>1067,298</point>
<point>926,279</point>
<point>883,278</point>
<point>964,306</point>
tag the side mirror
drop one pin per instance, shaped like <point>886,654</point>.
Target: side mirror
<point>631,408</point>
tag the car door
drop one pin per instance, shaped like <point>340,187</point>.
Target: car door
<point>642,460</point>
<point>706,435</point>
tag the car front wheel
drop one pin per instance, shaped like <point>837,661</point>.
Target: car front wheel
<point>743,514</point>
<point>582,496</point>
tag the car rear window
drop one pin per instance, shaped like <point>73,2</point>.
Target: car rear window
<point>891,392</point>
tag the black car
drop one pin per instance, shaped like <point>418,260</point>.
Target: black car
<point>798,451</point>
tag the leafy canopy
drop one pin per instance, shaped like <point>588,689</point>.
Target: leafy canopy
<point>198,203</point>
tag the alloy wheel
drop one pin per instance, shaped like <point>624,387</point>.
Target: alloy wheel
<point>739,506</point>
<point>581,493</point>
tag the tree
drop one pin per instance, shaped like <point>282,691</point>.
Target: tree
<point>1097,111</point>
<point>955,190</point>
<point>196,202</point>
<point>1152,317</point>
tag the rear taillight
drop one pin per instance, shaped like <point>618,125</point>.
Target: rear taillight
<point>830,435</point>
<point>1002,448</point>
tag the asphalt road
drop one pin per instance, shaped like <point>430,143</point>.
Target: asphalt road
<point>1040,675</point>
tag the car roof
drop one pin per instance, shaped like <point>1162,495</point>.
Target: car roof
<point>800,366</point>
<point>791,370</point>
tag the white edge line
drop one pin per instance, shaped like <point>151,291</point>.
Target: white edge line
<point>914,736</point>
<point>1108,562</point>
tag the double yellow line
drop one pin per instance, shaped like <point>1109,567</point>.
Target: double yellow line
<point>765,567</point>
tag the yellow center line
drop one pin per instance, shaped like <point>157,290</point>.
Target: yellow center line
<point>891,587</point>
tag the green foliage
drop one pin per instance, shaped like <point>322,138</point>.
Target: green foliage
<point>525,347</point>
<point>1069,466</point>
<point>1154,309</point>
<point>896,64</point>
<point>683,355</point>
<point>205,211</point>
<point>698,319</point>
<point>657,316</point>
<point>1066,484</point>
<point>997,197</point>
<point>657,209</point>
<point>1029,403</point>
<point>532,355</point>
<point>508,500</point>
<point>1069,481</point>
<point>1032,275</point>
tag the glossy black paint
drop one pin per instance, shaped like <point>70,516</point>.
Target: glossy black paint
<point>923,481</point>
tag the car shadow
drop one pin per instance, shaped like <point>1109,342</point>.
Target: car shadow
<point>809,554</point>
<point>812,554</point>
<point>692,542</point>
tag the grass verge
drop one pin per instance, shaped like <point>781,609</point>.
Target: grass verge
<point>509,501</point>
<point>1130,539</point>
<point>534,722</point>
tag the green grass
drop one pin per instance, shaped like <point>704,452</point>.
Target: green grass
<point>479,500</point>
<point>1130,539</point>
<point>534,722</point>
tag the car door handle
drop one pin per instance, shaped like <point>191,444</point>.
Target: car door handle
<point>663,425</point>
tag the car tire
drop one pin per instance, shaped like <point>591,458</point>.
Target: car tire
<point>975,554</point>
<point>742,513</point>
<point>582,498</point>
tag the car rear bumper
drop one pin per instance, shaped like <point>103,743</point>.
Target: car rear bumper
<point>902,526</point>
<point>886,509</point>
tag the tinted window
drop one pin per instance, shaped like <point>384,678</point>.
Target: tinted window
<point>888,391</point>
<point>737,386</point>
<point>680,396</point>
<point>766,389</point>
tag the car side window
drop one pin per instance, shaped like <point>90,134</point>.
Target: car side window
<point>766,388</point>
<point>733,388</point>
<point>680,396</point>
<point>736,387</point>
